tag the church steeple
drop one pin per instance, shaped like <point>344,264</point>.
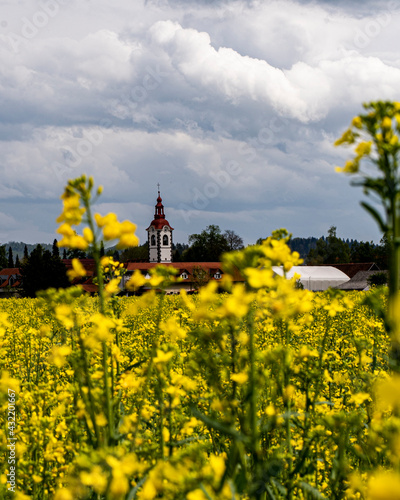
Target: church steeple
<point>160,235</point>
<point>159,207</point>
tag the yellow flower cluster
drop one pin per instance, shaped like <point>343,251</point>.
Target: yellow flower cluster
<point>382,121</point>
<point>114,230</point>
<point>76,203</point>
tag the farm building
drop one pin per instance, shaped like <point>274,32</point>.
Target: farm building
<point>316,278</point>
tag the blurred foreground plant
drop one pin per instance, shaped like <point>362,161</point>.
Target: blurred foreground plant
<point>375,136</point>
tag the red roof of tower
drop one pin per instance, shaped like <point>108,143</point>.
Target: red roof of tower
<point>159,220</point>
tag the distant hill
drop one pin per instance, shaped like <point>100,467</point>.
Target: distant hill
<point>18,247</point>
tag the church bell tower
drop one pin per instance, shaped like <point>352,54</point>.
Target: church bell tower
<point>159,235</point>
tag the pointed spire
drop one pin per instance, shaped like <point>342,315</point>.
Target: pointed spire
<point>159,214</point>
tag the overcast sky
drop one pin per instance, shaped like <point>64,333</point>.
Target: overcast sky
<point>232,106</point>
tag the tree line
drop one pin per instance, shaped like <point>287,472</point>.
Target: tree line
<point>334,250</point>
<point>43,268</point>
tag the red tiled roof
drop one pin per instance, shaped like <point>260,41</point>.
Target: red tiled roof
<point>352,269</point>
<point>211,267</point>
<point>159,224</point>
<point>131,266</point>
<point>9,271</point>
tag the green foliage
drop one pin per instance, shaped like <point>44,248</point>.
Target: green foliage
<point>364,252</point>
<point>302,245</point>
<point>208,246</point>
<point>76,253</point>
<point>55,249</point>
<point>375,136</point>
<point>378,279</point>
<point>136,254</point>
<point>41,271</point>
<point>10,262</point>
<point>331,250</point>
<point>3,257</point>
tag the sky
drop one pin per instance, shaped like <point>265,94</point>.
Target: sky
<point>231,106</point>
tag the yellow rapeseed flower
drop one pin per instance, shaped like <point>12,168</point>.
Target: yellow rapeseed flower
<point>113,286</point>
<point>240,378</point>
<point>384,486</point>
<point>7,382</point>
<point>95,478</point>
<point>363,148</point>
<point>359,398</point>
<point>77,270</point>
<point>196,494</point>
<point>386,123</point>
<point>59,354</point>
<point>63,313</point>
<point>388,393</point>
<point>163,357</point>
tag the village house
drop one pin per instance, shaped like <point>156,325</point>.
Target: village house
<point>10,281</point>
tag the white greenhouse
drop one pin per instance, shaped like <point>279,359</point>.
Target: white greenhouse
<point>316,278</point>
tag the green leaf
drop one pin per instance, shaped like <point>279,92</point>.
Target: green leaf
<point>311,491</point>
<point>219,426</point>
<point>282,490</point>
<point>203,489</point>
<point>134,490</point>
<point>270,493</point>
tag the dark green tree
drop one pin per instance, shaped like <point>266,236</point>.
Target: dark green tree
<point>363,252</point>
<point>378,279</point>
<point>75,253</point>
<point>382,258</point>
<point>135,254</point>
<point>208,246</point>
<point>10,262</point>
<point>331,250</point>
<point>26,254</point>
<point>317,256</point>
<point>41,271</point>
<point>177,251</point>
<point>3,257</point>
<point>17,262</point>
<point>56,250</point>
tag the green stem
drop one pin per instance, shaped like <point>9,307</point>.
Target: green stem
<point>394,269</point>
<point>149,369</point>
<point>102,307</point>
<point>91,406</point>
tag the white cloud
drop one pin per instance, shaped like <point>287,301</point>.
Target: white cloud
<point>175,92</point>
<point>303,92</point>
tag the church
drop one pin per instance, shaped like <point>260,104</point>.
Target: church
<point>159,237</point>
